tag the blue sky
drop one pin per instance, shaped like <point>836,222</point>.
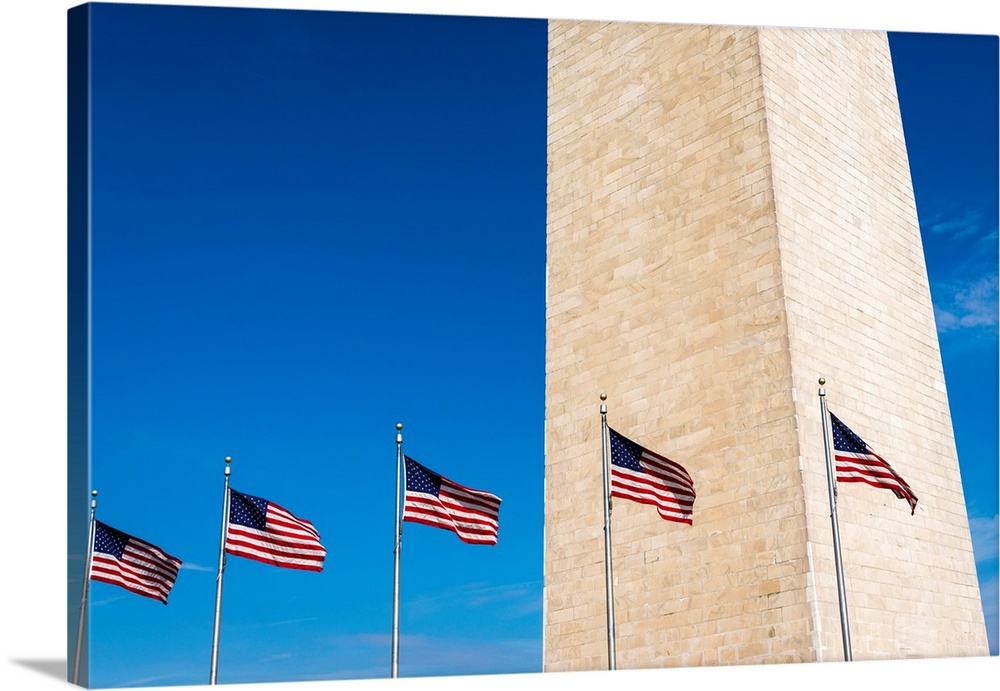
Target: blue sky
<point>309,227</point>
<point>291,328</point>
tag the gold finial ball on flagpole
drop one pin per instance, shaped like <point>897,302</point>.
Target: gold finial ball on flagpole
<point>93,492</point>
<point>604,397</point>
<point>399,426</point>
<point>822,381</point>
<point>229,459</point>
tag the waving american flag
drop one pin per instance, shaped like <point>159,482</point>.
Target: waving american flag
<point>436,501</point>
<point>649,478</point>
<point>856,462</point>
<point>261,530</point>
<point>136,565</point>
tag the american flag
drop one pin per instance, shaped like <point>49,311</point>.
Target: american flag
<point>133,564</point>
<point>649,478</point>
<point>261,530</point>
<point>856,462</point>
<point>472,514</point>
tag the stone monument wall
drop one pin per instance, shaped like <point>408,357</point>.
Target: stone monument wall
<point>730,216</point>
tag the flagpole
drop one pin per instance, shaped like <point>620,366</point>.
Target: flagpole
<point>86,588</point>
<point>395,554</point>
<point>214,672</point>
<point>607,534</point>
<point>842,597</point>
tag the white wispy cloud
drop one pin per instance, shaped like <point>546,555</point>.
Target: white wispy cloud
<point>519,599</point>
<point>377,640</point>
<point>285,622</point>
<point>985,538</point>
<point>437,656</point>
<point>971,305</point>
<point>966,223</point>
<point>185,566</point>
<point>106,601</point>
<point>480,595</point>
<point>147,681</point>
<point>464,656</point>
<point>960,246</point>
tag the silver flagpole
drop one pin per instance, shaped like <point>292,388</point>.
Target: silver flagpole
<point>395,554</point>
<point>214,672</point>
<point>86,589</point>
<point>607,534</point>
<point>844,625</point>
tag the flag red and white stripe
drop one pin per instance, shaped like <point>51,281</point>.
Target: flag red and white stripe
<point>434,500</point>
<point>646,477</point>
<point>261,530</point>
<point>136,565</point>
<point>856,462</point>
